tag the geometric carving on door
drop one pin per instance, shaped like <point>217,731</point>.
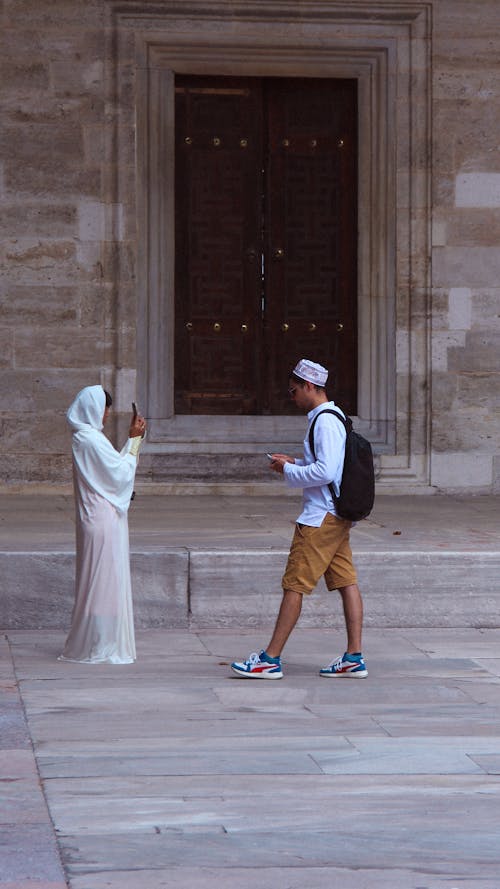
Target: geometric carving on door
<point>266,197</point>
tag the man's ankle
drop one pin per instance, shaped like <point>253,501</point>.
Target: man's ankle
<point>274,657</point>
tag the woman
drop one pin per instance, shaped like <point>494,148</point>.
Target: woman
<point>102,624</point>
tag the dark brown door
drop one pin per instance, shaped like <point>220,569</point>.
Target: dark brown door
<point>266,199</point>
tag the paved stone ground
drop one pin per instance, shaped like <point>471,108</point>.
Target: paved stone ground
<point>173,773</point>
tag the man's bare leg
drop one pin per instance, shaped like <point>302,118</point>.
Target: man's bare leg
<point>288,615</point>
<point>353,613</point>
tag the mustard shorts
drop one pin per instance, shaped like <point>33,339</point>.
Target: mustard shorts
<point>320,551</point>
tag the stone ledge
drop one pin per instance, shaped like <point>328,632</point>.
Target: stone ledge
<point>206,588</point>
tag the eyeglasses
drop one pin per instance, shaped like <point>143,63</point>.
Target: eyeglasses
<point>293,390</point>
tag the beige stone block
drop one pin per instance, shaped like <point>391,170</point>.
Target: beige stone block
<point>442,342</point>
<point>473,227</point>
<point>477,190</point>
<point>496,475</point>
<point>118,261</point>
<point>6,347</point>
<point>46,390</point>
<point>481,353</point>
<point>42,263</point>
<point>28,142</point>
<point>444,391</point>
<point>56,221</point>
<point>481,390</point>
<point>16,76</point>
<point>125,389</point>
<point>94,305</point>
<point>22,41</point>
<point>471,135</point>
<point>35,107</point>
<point>61,349</point>
<point>459,308</point>
<point>465,266</point>
<point>464,48</point>
<point>125,338</point>
<point>459,84</point>
<point>121,306</point>
<point>486,309</point>
<point>439,310</point>
<point>39,305</point>
<point>125,135</point>
<point>44,434</point>
<point>439,233</point>
<point>94,143</point>
<point>45,180</point>
<point>36,468</point>
<point>98,221</point>
<point>57,18</point>
<point>75,43</point>
<point>443,184</point>
<point>77,77</point>
<point>450,471</point>
<point>474,429</point>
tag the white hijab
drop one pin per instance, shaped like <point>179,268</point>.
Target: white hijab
<point>97,463</point>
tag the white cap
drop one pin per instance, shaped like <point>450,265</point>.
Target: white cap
<point>310,371</point>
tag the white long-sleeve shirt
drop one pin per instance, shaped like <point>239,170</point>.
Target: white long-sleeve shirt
<point>314,475</point>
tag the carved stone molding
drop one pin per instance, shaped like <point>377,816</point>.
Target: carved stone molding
<point>386,47</point>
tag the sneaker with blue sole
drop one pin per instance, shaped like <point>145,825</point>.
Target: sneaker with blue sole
<point>258,666</point>
<point>349,665</point>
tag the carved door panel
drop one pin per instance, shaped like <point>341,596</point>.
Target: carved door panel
<point>310,236</point>
<point>218,359</point>
<point>265,240</point>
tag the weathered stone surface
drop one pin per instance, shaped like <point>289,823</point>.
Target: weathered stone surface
<point>71,175</point>
<point>6,345</point>
<point>24,305</point>
<point>150,769</point>
<point>23,391</point>
<point>37,590</point>
<point>58,349</point>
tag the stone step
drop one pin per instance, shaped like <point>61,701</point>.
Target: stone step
<point>211,560</point>
<point>199,588</point>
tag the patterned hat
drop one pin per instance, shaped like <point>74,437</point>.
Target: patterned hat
<point>310,371</point>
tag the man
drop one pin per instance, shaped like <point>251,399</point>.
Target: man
<point>102,625</point>
<point>320,545</point>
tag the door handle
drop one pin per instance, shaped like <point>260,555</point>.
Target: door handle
<point>278,253</point>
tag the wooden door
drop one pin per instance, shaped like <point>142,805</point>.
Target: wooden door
<point>265,240</point>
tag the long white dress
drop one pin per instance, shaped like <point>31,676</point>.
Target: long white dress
<point>102,623</point>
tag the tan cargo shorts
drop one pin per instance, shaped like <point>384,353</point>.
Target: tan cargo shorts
<point>320,551</point>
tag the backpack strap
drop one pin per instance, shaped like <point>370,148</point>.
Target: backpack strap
<point>347,423</point>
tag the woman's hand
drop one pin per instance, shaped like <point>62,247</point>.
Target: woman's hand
<point>137,426</point>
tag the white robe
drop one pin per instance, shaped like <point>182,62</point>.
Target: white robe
<point>102,623</point>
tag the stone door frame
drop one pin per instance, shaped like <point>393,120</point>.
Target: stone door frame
<point>386,47</point>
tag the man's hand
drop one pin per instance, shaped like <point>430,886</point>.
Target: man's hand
<point>279,461</point>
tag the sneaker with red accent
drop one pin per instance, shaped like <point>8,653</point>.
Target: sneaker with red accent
<point>258,666</point>
<point>351,665</point>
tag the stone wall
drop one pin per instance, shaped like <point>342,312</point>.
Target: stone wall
<point>465,255</point>
<point>69,250</point>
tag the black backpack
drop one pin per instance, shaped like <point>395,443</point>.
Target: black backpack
<point>357,488</point>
